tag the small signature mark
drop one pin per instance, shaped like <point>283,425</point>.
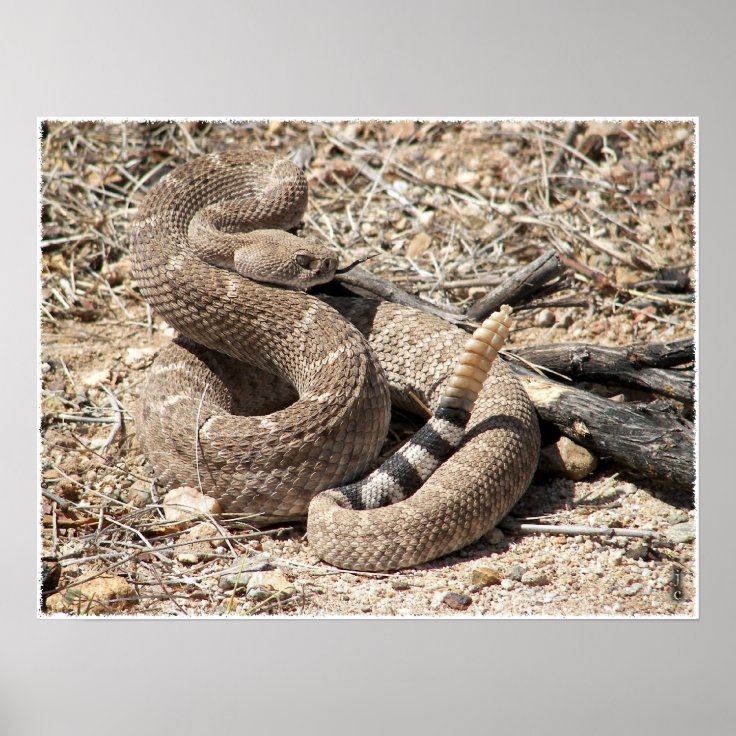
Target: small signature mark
<point>677,592</point>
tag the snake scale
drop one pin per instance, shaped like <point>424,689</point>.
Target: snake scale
<point>271,399</point>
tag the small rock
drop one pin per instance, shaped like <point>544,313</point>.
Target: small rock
<point>516,572</point>
<point>437,600</point>
<point>186,503</point>
<point>400,584</point>
<point>545,318</point>
<point>568,459</point>
<point>103,595</point>
<point>268,584</point>
<point>678,517</point>
<point>52,405</point>
<point>494,537</point>
<point>484,576</point>
<point>198,543</point>
<point>681,533</point>
<point>418,245</point>
<point>468,178</point>
<point>533,577</point>
<point>508,584</point>
<point>638,551</point>
<point>458,601</point>
<point>138,494</point>
<point>632,589</point>
<point>426,218</point>
<point>617,556</point>
<point>240,572</point>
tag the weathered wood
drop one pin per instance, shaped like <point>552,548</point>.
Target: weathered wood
<point>635,366</point>
<point>518,287</point>
<point>663,354</point>
<point>650,440</point>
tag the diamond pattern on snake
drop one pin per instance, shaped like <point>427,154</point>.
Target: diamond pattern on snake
<point>276,402</point>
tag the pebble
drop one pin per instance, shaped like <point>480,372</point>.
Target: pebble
<point>515,572</point>
<point>533,577</point>
<point>468,178</point>
<point>52,405</point>
<point>458,601</point>
<point>268,584</point>
<point>196,547</point>
<point>418,245</point>
<point>103,595</point>
<point>616,557</point>
<point>568,459</point>
<point>185,503</point>
<point>437,600</point>
<point>632,589</point>
<point>508,584</point>
<point>494,537</point>
<point>545,318</point>
<point>678,517</point>
<point>638,551</point>
<point>484,576</point>
<point>681,533</point>
<point>400,584</point>
<point>426,218</point>
<point>240,572</point>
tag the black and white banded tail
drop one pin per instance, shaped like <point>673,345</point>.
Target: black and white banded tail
<point>409,467</point>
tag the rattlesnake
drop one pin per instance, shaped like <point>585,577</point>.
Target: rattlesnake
<point>272,395</point>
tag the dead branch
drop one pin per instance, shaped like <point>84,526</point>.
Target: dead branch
<point>520,286</point>
<point>650,440</point>
<point>635,366</point>
<point>513,525</point>
<point>359,281</point>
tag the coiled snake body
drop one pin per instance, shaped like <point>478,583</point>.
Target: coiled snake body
<point>272,395</point>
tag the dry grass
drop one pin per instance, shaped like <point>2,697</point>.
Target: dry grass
<point>448,209</point>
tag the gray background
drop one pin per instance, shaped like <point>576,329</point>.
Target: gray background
<point>345,59</point>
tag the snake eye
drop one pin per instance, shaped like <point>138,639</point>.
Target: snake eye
<point>304,260</point>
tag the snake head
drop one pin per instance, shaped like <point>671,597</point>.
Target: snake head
<point>279,258</point>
